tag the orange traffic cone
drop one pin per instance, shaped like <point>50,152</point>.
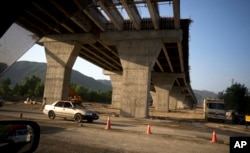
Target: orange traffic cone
<point>108,124</point>
<point>214,138</point>
<point>148,130</point>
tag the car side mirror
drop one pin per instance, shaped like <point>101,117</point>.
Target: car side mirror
<point>19,136</point>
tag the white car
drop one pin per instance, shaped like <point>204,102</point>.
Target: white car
<point>21,135</point>
<point>68,109</point>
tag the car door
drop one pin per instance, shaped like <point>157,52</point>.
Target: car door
<point>58,109</point>
<point>68,110</point>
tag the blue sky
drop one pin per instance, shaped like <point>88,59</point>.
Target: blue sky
<point>219,43</point>
<point>219,46</point>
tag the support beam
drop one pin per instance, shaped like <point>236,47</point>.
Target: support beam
<point>92,12</point>
<point>154,14</point>
<point>85,38</point>
<point>113,14</point>
<point>166,36</point>
<point>100,59</point>
<point>181,56</point>
<point>176,9</point>
<point>168,58</point>
<point>132,13</point>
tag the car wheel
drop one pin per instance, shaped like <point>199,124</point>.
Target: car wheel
<point>90,120</point>
<point>78,118</point>
<point>51,115</point>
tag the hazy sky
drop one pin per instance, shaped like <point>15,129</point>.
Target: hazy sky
<point>219,46</point>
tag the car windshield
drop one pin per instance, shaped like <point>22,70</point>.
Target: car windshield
<point>78,105</point>
<point>219,106</point>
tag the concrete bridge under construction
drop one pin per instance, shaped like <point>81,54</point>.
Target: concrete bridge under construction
<point>144,56</point>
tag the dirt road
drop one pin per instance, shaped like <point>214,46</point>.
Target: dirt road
<point>175,133</point>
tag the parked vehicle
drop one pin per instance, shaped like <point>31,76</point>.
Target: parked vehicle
<point>214,109</point>
<point>21,135</point>
<point>238,118</point>
<point>68,109</point>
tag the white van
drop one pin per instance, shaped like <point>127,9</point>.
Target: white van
<point>214,109</point>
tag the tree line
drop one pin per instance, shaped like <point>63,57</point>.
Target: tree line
<point>33,87</point>
<point>236,96</point>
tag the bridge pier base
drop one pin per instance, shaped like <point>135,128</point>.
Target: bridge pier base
<point>60,57</point>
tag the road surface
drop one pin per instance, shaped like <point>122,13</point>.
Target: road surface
<point>126,135</point>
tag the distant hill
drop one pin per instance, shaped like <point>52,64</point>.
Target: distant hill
<point>22,69</point>
<point>201,94</point>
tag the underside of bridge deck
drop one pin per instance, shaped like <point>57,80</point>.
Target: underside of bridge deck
<point>46,18</point>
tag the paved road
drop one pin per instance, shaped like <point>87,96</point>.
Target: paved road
<point>126,135</point>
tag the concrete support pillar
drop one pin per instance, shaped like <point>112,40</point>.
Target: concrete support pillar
<point>60,57</point>
<point>187,102</point>
<point>172,103</point>
<point>180,101</point>
<point>137,59</point>
<point>116,81</point>
<point>174,97</point>
<point>163,84</point>
<point>153,95</point>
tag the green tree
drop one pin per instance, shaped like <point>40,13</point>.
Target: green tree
<point>105,96</point>
<point>235,97</point>
<point>5,86</point>
<point>16,90</point>
<point>31,87</point>
<point>92,95</point>
<point>39,89</point>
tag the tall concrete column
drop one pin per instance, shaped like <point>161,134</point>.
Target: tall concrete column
<point>116,81</point>
<point>163,84</point>
<point>153,95</point>
<point>174,96</point>
<point>60,57</point>
<point>138,51</point>
<point>137,59</point>
<point>180,101</point>
<point>188,102</point>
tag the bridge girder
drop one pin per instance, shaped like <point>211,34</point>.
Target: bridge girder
<point>47,18</point>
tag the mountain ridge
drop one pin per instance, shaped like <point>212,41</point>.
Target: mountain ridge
<point>24,69</point>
